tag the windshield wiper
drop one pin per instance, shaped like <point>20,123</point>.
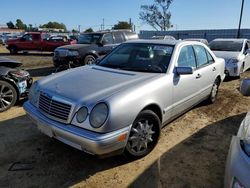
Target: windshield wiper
<point>112,66</point>
<point>140,70</point>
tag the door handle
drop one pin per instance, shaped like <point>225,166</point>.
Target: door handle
<point>198,76</point>
<point>214,69</point>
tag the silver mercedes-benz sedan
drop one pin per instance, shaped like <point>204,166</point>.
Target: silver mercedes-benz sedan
<point>121,103</point>
<point>236,53</point>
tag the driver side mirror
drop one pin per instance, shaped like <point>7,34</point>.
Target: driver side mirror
<point>184,70</point>
<point>22,39</point>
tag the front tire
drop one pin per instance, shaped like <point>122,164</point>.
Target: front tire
<point>13,50</point>
<point>8,96</point>
<point>144,135</point>
<point>89,59</point>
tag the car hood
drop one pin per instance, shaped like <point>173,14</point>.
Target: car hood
<point>6,62</point>
<point>90,84</point>
<point>74,46</point>
<point>227,55</point>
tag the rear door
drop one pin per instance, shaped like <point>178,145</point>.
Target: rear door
<point>36,42</point>
<point>206,68</point>
<point>108,44</point>
<point>185,87</point>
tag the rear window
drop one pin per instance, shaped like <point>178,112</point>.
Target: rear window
<point>235,46</point>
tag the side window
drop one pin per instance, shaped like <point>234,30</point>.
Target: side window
<point>201,55</point>
<point>209,57</point>
<point>247,46</point>
<point>119,38</point>
<point>186,57</point>
<point>108,39</point>
<point>27,37</point>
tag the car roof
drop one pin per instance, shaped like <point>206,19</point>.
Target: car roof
<point>166,42</point>
<point>163,42</point>
<point>230,39</point>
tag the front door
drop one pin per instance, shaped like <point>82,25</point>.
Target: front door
<point>186,88</point>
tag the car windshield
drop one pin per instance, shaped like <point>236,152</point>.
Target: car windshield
<point>235,46</point>
<point>139,57</point>
<point>89,38</point>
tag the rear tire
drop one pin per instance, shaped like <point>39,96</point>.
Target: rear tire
<point>214,91</point>
<point>8,96</point>
<point>144,135</point>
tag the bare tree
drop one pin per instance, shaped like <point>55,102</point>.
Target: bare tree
<point>157,14</point>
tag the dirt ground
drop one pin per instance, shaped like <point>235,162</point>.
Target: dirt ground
<point>191,152</point>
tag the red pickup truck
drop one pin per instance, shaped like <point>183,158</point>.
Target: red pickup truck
<point>36,41</point>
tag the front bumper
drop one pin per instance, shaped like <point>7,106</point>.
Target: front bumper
<point>60,61</point>
<point>88,141</point>
<point>237,166</point>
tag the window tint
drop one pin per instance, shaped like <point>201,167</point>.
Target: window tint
<point>27,37</point>
<point>201,55</point>
<point>186,57</point>
<point>119,38</point>
<point>108,38</point>
<point>210,58</point>
<point>247,46</point>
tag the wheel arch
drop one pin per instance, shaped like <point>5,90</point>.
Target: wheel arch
<point>13,84</point>
<point>154,108</point>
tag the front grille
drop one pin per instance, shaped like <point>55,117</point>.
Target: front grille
<point>53,108</point>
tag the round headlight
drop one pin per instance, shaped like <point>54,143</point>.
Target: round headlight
<point>98,115</point>
<point>82,114</point>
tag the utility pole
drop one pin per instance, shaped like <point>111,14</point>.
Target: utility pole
<point>103,24</point>
<point>79,28</point>
<point>241,12</point>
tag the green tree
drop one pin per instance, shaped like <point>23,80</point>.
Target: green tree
<point>10,25</point>
<point>20,24</point>
<point>123,25</point>
<point>54,25</point>
<point>157,14</point>
<point>89,30</point>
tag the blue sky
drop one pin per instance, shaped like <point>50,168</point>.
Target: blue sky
<point>186,14</point>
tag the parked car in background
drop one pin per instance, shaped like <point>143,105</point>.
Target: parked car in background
<point>165,37</point>
<point>36,41</point>
<point>14,83</point>
<point>61,38</point>
<point>121,104</point>
<point>5,37</point>
<point>238,159</point>
<point>90,46</point>
<point>204,41</point>
<point>236,53</point>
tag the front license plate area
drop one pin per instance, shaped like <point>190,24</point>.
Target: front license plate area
<point>44,129</point>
